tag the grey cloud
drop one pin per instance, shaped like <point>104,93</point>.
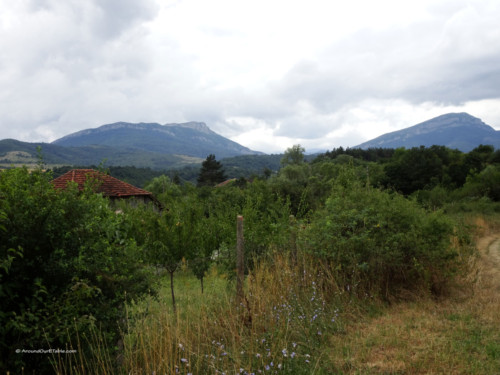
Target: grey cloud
<point>38,5</point>
<point>107,18</point>
<point>76,64</point>
<point>457,83</point>
<point>408,63</point>
<point>61,37</point>
<point>440,60</point>
<point>120,15</point>
<point>78,38</point>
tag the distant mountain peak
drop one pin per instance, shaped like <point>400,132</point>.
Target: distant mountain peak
<point>450,120</point>
<point>454,130</point>
<point>199,126</point>
<point>190,138</point>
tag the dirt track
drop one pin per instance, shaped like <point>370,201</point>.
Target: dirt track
<point>489,265</point>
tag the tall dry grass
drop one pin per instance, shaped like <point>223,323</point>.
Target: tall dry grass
<point>74,361</point>
<point>281,324</point>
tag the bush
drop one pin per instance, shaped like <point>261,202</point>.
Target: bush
<point>379,242</point>
<point>484,184</point>
<point>66,266</point>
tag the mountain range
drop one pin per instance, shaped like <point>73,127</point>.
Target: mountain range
<point>176,145</point>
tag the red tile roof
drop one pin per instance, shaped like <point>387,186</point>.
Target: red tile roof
<point>224,183</point>
<point>107,185</point>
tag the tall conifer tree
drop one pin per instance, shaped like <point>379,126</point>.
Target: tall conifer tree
<point>211,172</point>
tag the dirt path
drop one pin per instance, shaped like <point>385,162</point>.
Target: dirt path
<point>489,262</point>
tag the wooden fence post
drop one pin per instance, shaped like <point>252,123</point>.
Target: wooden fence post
<point>240,260</point>
<point>293,238</point>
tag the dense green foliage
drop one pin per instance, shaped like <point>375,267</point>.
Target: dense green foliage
<point>375,219</point>
<point>371,154</point>
<point>379,242</point>
<point>293,155</point>
<point>411,171</point>
<point>67,263</point>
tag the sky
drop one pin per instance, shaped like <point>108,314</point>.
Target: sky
<point>266,74</point>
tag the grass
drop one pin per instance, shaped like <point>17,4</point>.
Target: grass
<point>428,337</point>
<point>280,326</point>
<point>455,334</point>
<point>295,320</point>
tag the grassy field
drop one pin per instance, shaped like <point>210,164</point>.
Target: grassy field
<point>19,159</point>
<point>294,320</point>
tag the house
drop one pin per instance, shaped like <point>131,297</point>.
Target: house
<point>109,186</point>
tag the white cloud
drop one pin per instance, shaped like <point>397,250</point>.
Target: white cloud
<point>266,74</point>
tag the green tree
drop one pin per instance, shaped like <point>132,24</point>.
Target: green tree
<point>293,155</point>
<point>163,188</point>
<point>414,169</point>
<point>207,239</point>
<point>211,172</point>
<point>171,237</point>
<point>291,184</point>
<point>267,217</point>
<point>477,159</point>
<point>483,184</point>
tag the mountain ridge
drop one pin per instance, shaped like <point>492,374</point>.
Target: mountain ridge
<point>454,130</point>
<point>200,126</point>
<point>191,138</point>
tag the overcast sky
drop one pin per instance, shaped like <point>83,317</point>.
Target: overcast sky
<point>266,74</point>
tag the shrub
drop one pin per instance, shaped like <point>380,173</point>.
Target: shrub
<point>66,266</point>
<point>484,184</point>
<point>380,242</point>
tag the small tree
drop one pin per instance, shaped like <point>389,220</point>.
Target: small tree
<point>293,155</point>
<point>163,188</point>
<point>211,172</point>
<point>172,236</point>
<point>207,241</point>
